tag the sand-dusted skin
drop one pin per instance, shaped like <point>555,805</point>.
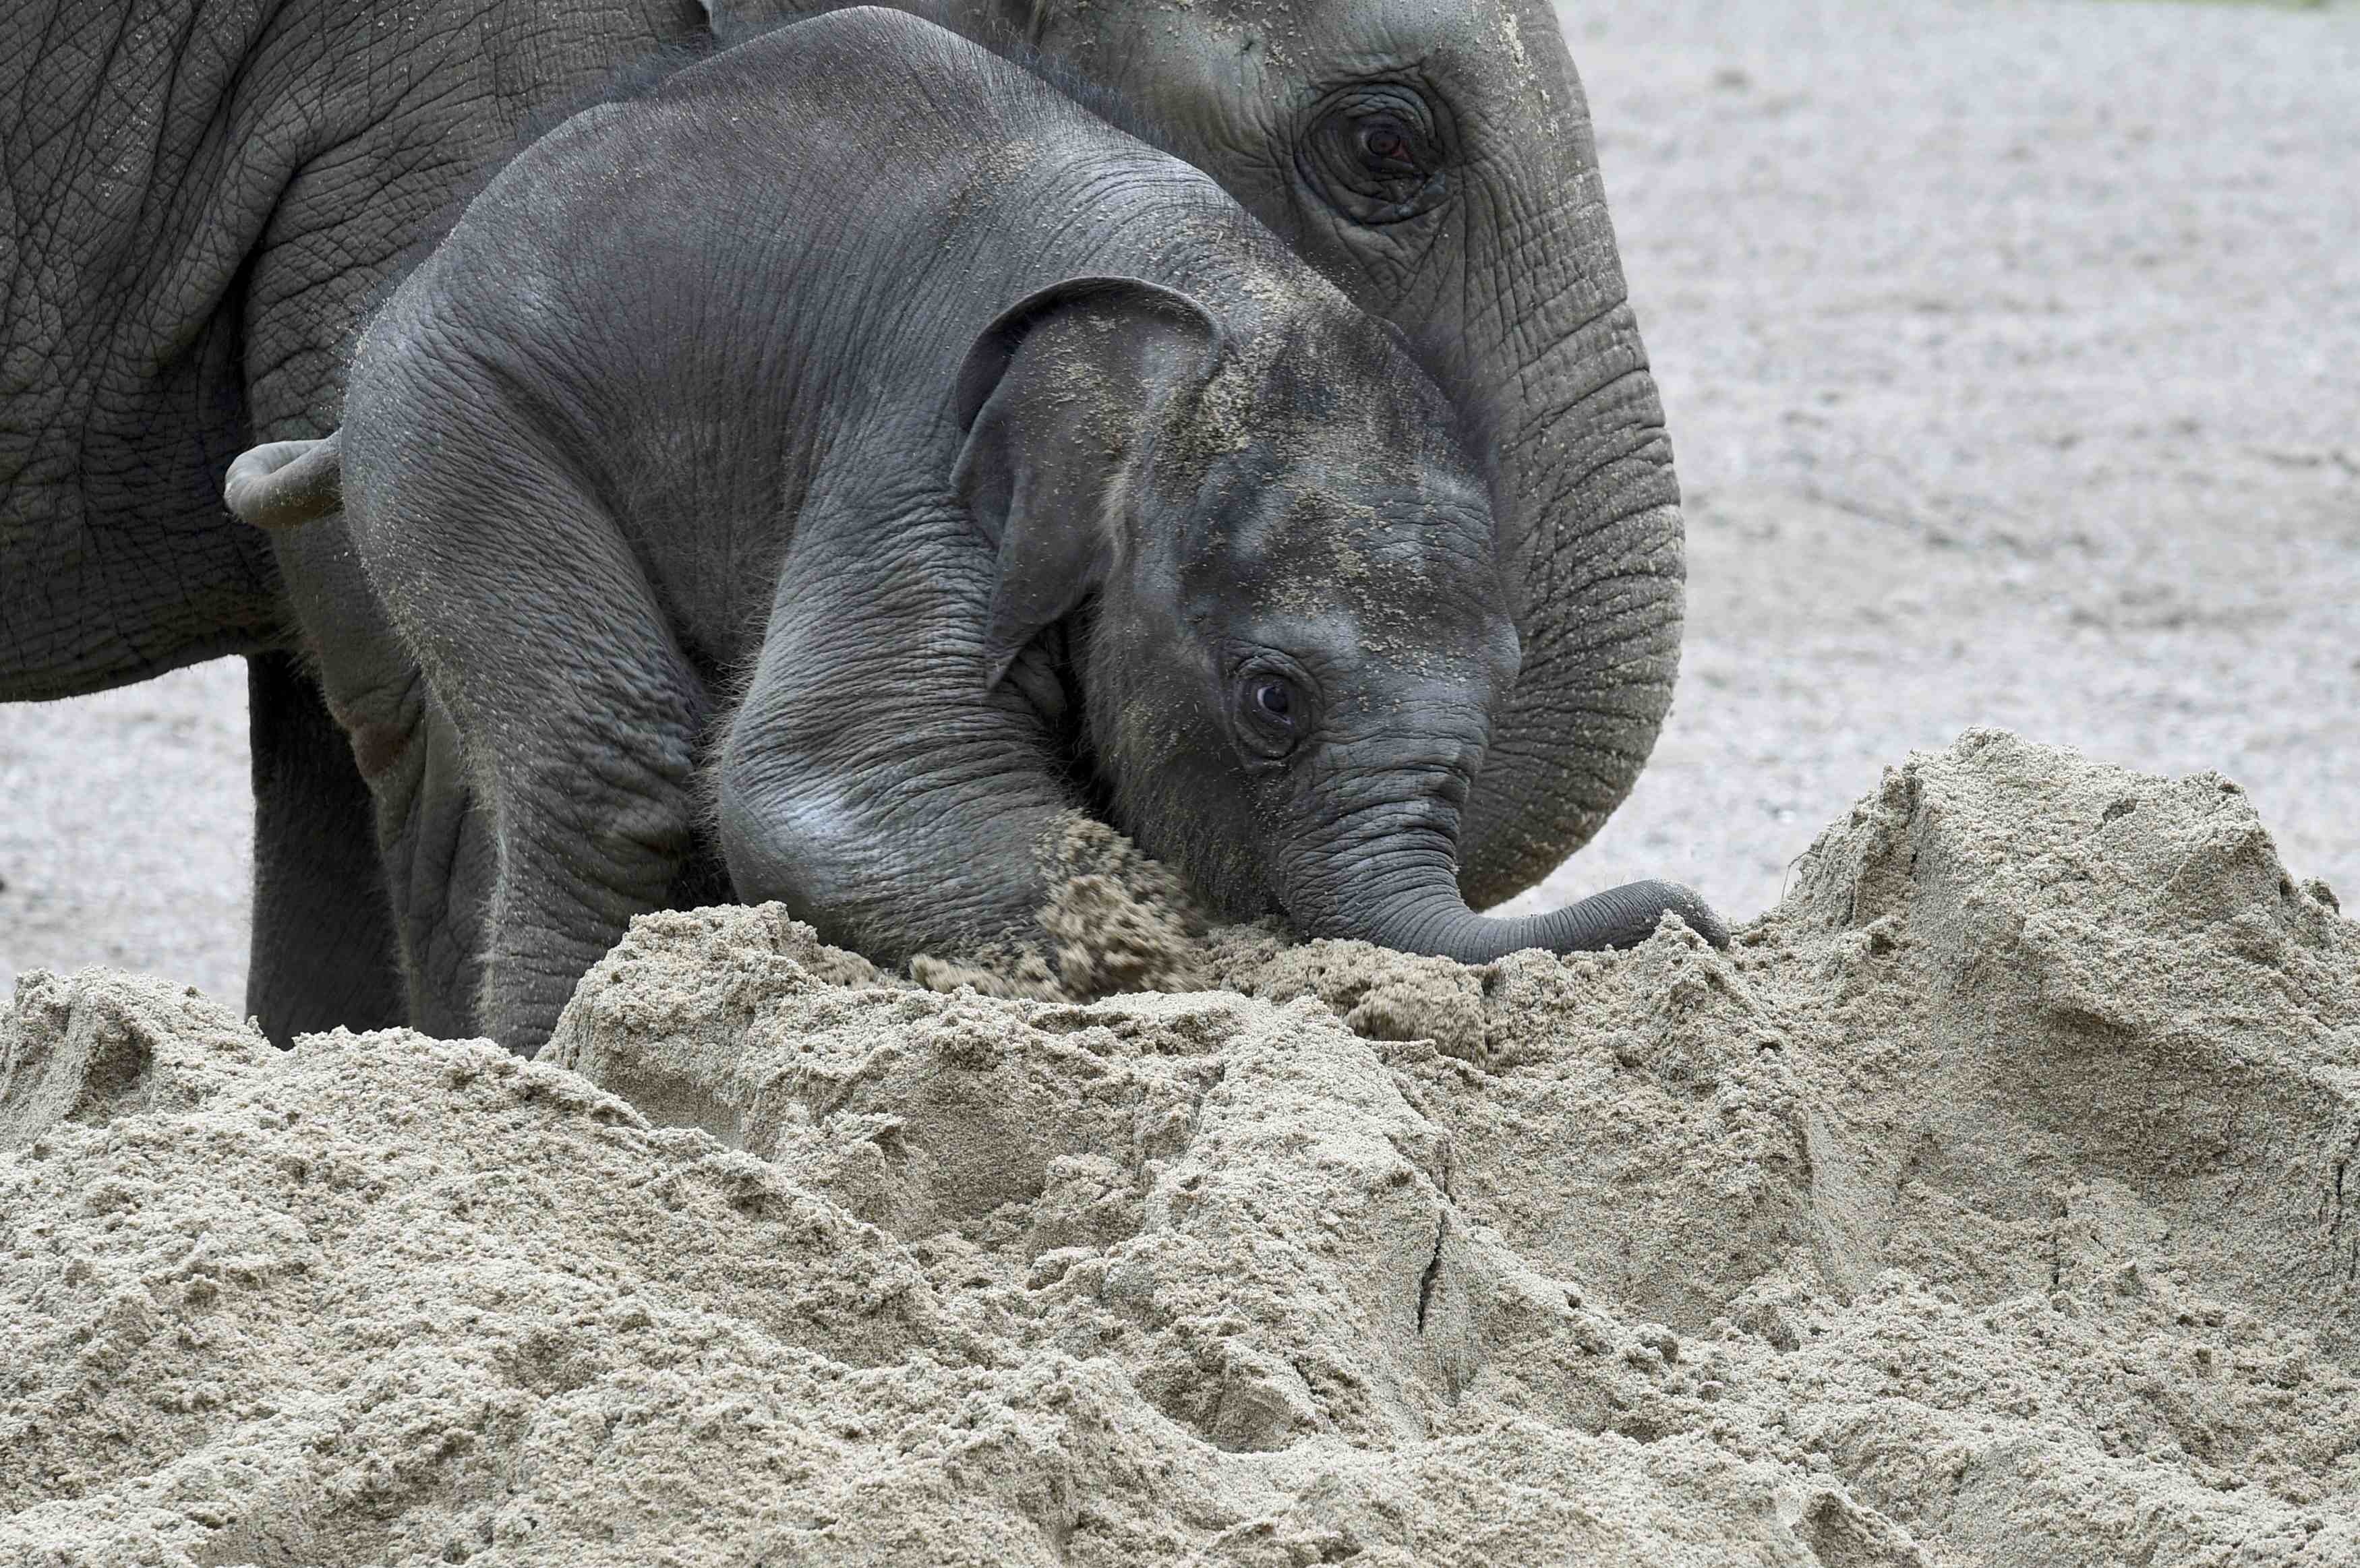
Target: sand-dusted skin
<point>1987,1203</point>
<point>858,422</point>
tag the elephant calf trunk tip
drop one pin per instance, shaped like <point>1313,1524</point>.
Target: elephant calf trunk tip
<point>284,485</point>
<point>1626,916</point>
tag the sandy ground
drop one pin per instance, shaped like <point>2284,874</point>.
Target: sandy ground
<point>1987,1205</point>
<point>126,830</point>
<point>2012,354</point>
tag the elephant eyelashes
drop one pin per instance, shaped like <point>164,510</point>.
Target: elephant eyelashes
<point>1373,151</point>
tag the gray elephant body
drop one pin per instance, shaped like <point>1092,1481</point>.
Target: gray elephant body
<point>974,437</point>
<point>206,199</point>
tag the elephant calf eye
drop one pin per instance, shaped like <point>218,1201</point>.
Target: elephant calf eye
<point>1272,713</point>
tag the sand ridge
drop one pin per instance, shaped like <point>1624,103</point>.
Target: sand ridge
<point>1985,1203</point>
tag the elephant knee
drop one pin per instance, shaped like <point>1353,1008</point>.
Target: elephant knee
<point>753,838</point>
<point>611,827</point>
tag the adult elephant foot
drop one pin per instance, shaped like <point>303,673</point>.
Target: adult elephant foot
<point>324,950</point>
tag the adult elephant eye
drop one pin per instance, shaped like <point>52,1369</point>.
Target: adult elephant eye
<point>1386,150</point>
<point>1373,153</point>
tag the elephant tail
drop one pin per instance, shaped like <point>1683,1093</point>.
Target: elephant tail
<point>286,483</point>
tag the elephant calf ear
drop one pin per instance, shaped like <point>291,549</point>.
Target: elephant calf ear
<point>1056,398</point>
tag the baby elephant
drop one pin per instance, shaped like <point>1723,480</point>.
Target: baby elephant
<point>860,421</point>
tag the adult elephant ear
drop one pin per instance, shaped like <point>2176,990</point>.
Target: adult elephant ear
<point>1054,398</point>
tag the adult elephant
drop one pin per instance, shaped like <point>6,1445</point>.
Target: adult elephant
<point>201,200</point>
<point>205,198</point>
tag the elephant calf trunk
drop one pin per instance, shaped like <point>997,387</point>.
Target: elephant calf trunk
<point>1618,916</point>
<point>1438,923</point>
<point>286,484</point>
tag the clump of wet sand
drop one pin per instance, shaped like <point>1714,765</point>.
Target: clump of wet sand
<point>1115,919</point>
<point>1985,1203</point>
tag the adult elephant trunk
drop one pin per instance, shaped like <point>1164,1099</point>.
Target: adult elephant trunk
<point>1592,546</point>
<point>1538,346</point>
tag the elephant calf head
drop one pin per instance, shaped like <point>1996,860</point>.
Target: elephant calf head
<point>1290,623</point>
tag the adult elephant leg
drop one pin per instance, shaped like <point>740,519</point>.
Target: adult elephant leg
<point>323,948</point>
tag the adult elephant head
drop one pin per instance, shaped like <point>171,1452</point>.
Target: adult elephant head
<point>1435,158</point>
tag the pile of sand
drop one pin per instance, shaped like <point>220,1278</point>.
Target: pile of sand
<point>1985,1203</point>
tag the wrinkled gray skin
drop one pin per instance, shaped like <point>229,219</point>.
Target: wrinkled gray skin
<point>987,438</point>
<point>198,205</point>
<point>204,201</point>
